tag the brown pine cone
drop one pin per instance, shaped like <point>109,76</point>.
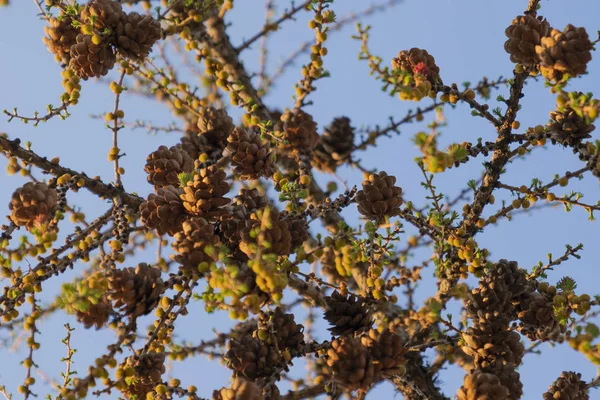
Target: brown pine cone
<point>566,52</point>
<point>250,200</point>
<point>387,350</point>
<point>204,194</point>
<point>379,197</point>
<point>215,124</point>
<point>33,204</point>
<point>89,60</point>
<point>61,35</point>
<point>509,378</point>
<point>190,245</point>
<point>96,315</point>
<point>417,61</point>
<point>136,34</point>
<point>570,127</point>
<point>164,210</point>
<point>492,346</point>
<point>195,144</point>
<point>265,231</point>
<point>298,228</point>
<point>136,291</point>
<point>230,227</point>
<point>335,145</point>
<point>279,329</point>
<point>252,358</point>
<point>165,164</point>
<point>147,372</point>
<point>537,319</point>
<point>525,32</point>
<point>299,130</point>
<point>102,14</point>
<point>241,389</point>
<point>250,155</point>
<point>347,314</point>
<point>350,363</point>
<point>481,386</point>
<point>568,386</point>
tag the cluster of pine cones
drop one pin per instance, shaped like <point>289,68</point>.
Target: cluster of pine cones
<point>104,31</point>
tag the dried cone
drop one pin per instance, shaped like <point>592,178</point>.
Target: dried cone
<point>298,228</point>
<point>334,146</point>
<point>103,14</point>
<point>347,314</point>
<point>299,130</point>
<point>350,363</point>
<point>165,164</point>
<point>96,315</point>
<point>195,145</point>
<point>136,34</point>
<point>252,358</point>
<point>147,371</point>
<point>568,386</point>
<point>279,329</point>
<point>569,126</point>
<point>33,204</point>
<point>215,124</point>
<point>387,349</point>
<point>265,232</point>
<point>379,197</point>
<point>90,60</point>
<point>135,291</point>
<point>566,52</point>
<point>163,210</point>
<point>481,386</point>
<point>537,319</point>
<point>524,34</point>
<point>241,389</point>
<point>61,35</point>
<point>417,62</point>
<point>250,200</point>
<point>204,194</point>
<point>250,155</point>
<point>191,243</point>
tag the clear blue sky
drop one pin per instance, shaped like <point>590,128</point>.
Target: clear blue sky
<point>466,38</point>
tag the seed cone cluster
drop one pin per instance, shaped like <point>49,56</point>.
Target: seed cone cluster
<point>96,314</point>
<point>279,330</point>
<point>136,34</point>
<point>379,197</point>
<point>164,210</point>
<point>140,374</point>
<point>570,127</point>
<point>204,195</point>
<point>417,62</point>
<point>566,52</point>
<point>241,389</point>
<point>298,228</point>
<point>537,319</point>
<point>481,386</point>
<point>215,125</point>
<point>191,243</point>
<point>33,204</point>
<point>265,231</point>
<point>61,35</point>
<point>136,291</point>
<point>245,203</point>
<point>347,314</point>
<point>568,386</point>
<point>90,60</point>
<point>299,130</point>
<point>524,34</point>
<point>335,145</point>
<point>250,155</point>
<point>253,358</point>
<point>165,164</point>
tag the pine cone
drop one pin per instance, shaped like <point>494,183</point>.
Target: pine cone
<point>241,389</point>
<point>195,144</point>
<point>350,363</point>
<point>279,329</point>
<point>165,164</point>
<point>204,194</point>
<point>61,36</point>
<point>509,378</point>
<point>250,155</point>
<point>347,314</point>
<point>33,204</point>
<point>524,34</point>
<point>147,371</point>
<point>90,60</point>
<point>136,291</point>
<point>379,197</point>
<point>537,319</point>
<point>570,127</point>
<point>215,124</point>
<point>96,315</point>
<point>190,245</point>
<point>566,52</point>
<point>252,358</point>
<point>335,146</point>
<point>568,386</point>
<point>267,231</point>
<point>481,386</point>
<point>417,61</point>
<point>387,349</point>
<point>299,130</point>
<point>102,14</point>
<point>163,211</point>
<point>250,200</point>
<point>338,261</point>
<point>298,228</point>
<point>136,34</point>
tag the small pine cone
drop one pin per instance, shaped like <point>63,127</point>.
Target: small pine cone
<point>250,200</point>
<point>165,164</point>
<point>250,155</point>
<point>163,210</point>
<point>334,146</point>
<point>387,349</point>
<point>33,204</point>
<point>252,358</point>
<point>566,52</point>
<point>379,197</point>
<point>481,386</point>
<point>347,314</point>
<point>278,327</point>
<point>204,194</point>
<point>241,389</point>
<point>509,378</point>
<point>350,363</point>
<point>136,34</point>
<point>135,291</point>
<point>537,319</point>
<point>299,130</point>
<point>61,35</point>
<point>298,228</point>
<point>147,372</point>
<point>195,144</point>
<point>90,60</point>
<point>190,245</point>
<point>229,229</point>
<point>215,124</point>
<point>571,128</point>
<point>102,13</point>
<point>417,61</point>
<point>513,278</point>
<point>568,386</point>
<point>265,231</point>
<point>525,32</point>
<point>96,315</point>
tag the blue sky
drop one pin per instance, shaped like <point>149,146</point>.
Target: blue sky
<point>466,38</point>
